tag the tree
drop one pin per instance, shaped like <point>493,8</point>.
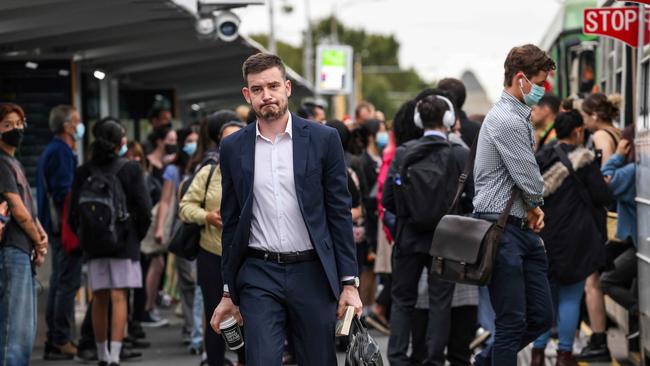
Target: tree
<point>386,89</point>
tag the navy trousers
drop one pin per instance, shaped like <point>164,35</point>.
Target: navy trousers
<point>520,294</point>
<point>273,296</point>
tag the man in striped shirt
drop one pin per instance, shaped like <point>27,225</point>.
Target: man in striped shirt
<point>505,161</point>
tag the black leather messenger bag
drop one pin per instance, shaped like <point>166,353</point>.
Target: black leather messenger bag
<point>464,248</point>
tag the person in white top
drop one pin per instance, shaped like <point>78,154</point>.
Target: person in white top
<point>289,257</point>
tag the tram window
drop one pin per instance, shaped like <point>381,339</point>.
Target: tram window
<point>587,66</point>
<point>618,85</point>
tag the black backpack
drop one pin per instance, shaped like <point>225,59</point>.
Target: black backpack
<point>103,211</point>
<point>426,184</point>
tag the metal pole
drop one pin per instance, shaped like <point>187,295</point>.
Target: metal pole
<point>308,53</point>
<point>639,64</point>
<point>334,29</point>
<point>273,48</point>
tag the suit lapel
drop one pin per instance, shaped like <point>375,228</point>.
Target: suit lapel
<point>300,130</point>
<point>248,158</point>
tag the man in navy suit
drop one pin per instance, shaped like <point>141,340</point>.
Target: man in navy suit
<point>289,258</point>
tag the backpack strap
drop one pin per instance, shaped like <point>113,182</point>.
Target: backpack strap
<point>582,189</point>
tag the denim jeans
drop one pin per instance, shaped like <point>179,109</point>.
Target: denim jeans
<point>485,317</point>
<point>520,295</point>
<point>64,283</point>
<point>567,300</point>
<point>197,324</point>
<point>17,307</point>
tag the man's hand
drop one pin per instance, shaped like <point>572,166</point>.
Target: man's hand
<point>349,297</point>
<point>214,218</point>
<point>224,310</point>
<point>41,245</point>
<point>623,147</point>
<point>39,258</point>
<point>536,219</point>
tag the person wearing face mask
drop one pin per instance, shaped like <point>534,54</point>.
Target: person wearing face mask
<point>112,274</point>
<point>505,171</point>
<point>572,237</point>
<point>55,172</point>
<point>23,246</point>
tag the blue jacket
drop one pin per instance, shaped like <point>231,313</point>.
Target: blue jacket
<point>55,170</point>
<point>322,189</point>
<point>623,185</point>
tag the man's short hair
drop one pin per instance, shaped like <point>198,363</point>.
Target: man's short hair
<point>59,115</point>
<point>260,62</point>
<point>363,105</point>
<point>529,59</point>
<point>155,112</point>
<point>456,89</point>
<point>552,101</point>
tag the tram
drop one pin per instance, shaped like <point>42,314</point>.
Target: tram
<point>588,64</point>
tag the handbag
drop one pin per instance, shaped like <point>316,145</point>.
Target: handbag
<point>464,248</point>
<point>362,350</point>
<point>69,240</point>
<point>186,237</point>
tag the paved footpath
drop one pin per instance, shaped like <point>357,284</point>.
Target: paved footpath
<point>167,349</point>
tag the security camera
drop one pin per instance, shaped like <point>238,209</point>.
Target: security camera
<point>205,27</point>
<point>227,25</point>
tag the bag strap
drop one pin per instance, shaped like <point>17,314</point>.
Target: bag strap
<point>462,182</point>
<point>213,167</point>
<point>582,189</point>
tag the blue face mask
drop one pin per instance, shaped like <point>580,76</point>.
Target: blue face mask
<point>382,139</point>
<point>190,148</point>
<point>79,132</point>
<point>122,151</point>
<point>536,93</point>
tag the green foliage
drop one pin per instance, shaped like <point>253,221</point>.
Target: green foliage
<point>386,90</point>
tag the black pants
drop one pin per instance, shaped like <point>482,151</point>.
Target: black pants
<point>208,273</point>
<point>384,297</point>
<point>140,294</point>
<point>407,269</point>
<point>619,283</point>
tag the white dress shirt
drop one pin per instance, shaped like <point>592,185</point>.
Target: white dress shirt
<point>277,224</point>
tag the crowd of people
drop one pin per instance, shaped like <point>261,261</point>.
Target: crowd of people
<point>567,162</point>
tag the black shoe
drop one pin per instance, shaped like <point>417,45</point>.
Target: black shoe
<point>113,364</point>
<point>128,355</point>
<point>102,363</point>
<point>596,350</point>
<point>131,342</point>
<point>52,353</point>
<point>86,355</point>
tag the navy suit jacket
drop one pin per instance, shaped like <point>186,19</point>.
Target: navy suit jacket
<point>322,191</point>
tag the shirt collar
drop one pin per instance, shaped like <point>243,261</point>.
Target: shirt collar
<point>288,130</point>
<point>520,108</point>
<point>435,133</point>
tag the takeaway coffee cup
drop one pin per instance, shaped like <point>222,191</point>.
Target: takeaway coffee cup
<point>231,333</point>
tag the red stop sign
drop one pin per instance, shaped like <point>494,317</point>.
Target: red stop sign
<point>619,23</point>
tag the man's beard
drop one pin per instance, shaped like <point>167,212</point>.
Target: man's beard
<point>272,112</point>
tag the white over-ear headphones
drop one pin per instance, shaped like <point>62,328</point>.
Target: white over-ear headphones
<point>448,120</point>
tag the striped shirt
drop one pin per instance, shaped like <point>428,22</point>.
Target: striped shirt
<point>505,158</point>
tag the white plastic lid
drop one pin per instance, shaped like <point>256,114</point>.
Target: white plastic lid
<point>228,323</point>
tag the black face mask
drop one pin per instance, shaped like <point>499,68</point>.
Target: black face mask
<point>171,149</point>
<point>13,137</point>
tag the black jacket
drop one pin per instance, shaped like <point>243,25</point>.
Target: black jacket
<point>137,200</point>
<point>407,238</point>
<point>574,233</point>
<point>468,129</point>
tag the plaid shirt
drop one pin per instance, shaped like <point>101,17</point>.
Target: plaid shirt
<point>504,158</point>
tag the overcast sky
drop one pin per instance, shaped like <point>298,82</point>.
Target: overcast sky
<point>438,38</point>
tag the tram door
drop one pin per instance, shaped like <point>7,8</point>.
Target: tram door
<point>582,75</point>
